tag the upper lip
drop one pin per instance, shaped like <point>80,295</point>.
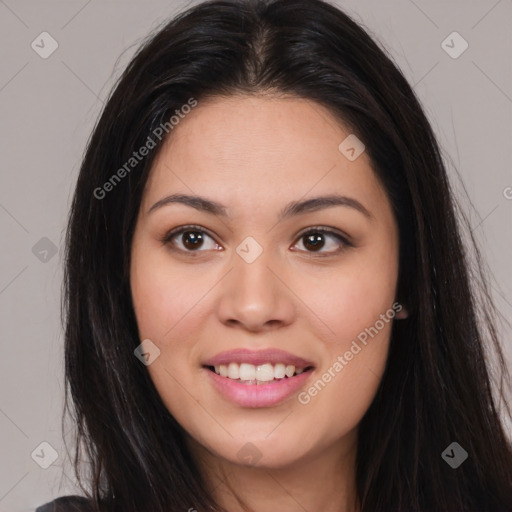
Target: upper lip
<point>257,357</point>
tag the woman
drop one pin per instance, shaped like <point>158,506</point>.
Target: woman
<point>268,303</point>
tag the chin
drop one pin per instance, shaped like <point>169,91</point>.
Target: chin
<point>277,452</point>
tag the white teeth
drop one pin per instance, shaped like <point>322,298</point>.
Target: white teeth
<point>279,371</point>
<point>265,372</point>
<point>289,370</point>
<point>251,374</point>
<point>233,371</point>
<point>247,371</point>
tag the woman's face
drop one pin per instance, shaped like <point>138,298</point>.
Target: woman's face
<point>261,277</point>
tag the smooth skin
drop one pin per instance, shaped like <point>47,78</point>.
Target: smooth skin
<point>255,154</point>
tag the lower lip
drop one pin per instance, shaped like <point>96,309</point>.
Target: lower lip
<point>258,395</point>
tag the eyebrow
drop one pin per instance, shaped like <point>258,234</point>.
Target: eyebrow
<point>290,210</point>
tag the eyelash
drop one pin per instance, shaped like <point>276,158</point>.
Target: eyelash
<point>167,239</point>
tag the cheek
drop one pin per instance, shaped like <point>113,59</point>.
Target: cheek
<point>345,386</point>
<point>167,305</point>
<point>356,304</point>
<point>164,297</point>
<point>341,394</point>
<point>352,297</point>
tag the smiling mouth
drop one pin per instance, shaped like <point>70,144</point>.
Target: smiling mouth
<point>264,374</point>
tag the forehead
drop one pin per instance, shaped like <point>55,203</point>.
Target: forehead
<point>253,150</point>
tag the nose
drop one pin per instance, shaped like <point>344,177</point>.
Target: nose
<point>255,296</point>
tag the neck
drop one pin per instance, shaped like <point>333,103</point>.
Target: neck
<point>323,481</point>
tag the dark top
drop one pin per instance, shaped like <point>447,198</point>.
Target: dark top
<point>66,504</point>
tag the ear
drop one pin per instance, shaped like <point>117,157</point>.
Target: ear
<point>403,313</point>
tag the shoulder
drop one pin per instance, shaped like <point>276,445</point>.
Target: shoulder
<point>66,504</point>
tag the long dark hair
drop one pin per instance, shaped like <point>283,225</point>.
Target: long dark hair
<point>437,387</point>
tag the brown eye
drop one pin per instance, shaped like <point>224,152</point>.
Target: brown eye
<point>192,239</point>
<point>315,239</point>
<point>189,239</point>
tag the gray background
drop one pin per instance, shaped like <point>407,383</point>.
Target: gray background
<point>47,110</point>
